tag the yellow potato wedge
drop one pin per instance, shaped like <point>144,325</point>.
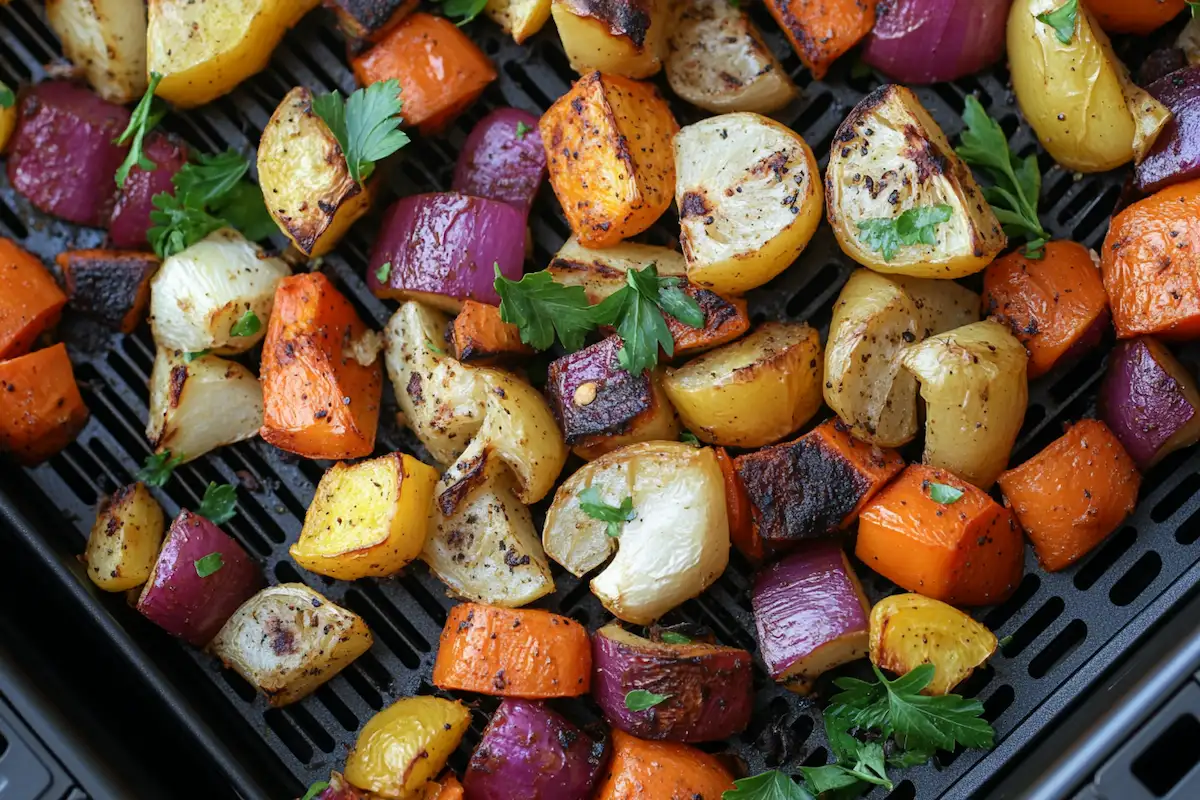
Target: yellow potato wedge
<point>124,542</point>
<point>908,630</point>
<point>405,746</point>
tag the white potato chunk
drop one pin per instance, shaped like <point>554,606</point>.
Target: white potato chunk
<point>106,40</point>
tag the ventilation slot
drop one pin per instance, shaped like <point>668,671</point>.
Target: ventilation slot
<point>1059,648</point>
<point>1108,555</point>
<point>282,727</point>
<point>1130,585</point>
<point>1002,613</point>
<point>381,626</point>
<point>1170,758</point>
<point>1164,509</point>
<point>998,702</point>
<point>336,708</point>
<point>1042,619</point>
<point>905,790</point>
<point>312,729</point>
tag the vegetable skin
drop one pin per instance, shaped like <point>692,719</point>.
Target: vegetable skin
<point>130,221</point>
<point>481,337</point>
<point>402,748</point>
<point>822,30</point>
<point>668,770</point>
<point>112,286</point>
<point>124,541</point>
<point>31,302</point>
<point>41,411</point>
<point>908,630</point>
<point>498,163</point>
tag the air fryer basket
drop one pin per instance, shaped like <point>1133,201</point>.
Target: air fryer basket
<point>1065,628</point>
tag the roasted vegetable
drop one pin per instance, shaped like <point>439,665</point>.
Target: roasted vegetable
<point>130,221</point>
<point>519,18</point>
<point>62,156</point>
<point>1174,157</point>
<point>31,302</point>
<point>1073,494</point>
<point>601,407</point>
<point>440,70</point>
<point>369,19</point>
<point>814,486</point>
<point>743,533</point>
<point>1055,305</point>
<point>751,392</point>
<point>528,752</point>
<point>8,114</point>
<point>608,190</point>
<point>201,402</point>
<point>124,541</point>
<point>287,640</point>
<point>236,42</point>
<point>822,30</point>
<point>1076,95</point>
<point>480,336</point>
<point>1121,16</point>
<point>111,285</point>
<point>526,653</point>
<point>627,37</point>
<point>41,411</point>
<point>898,197</point>
<point>367,519</point>
<point>106,41</point>
<point>216,295</point>
<point>1150,401</point>
<point>929,41</point>
<point>200,578</point>
<point>930,532</point>
<point>641,769</point>
<point>749,196</point>
<point>305,179</point>
<point>717,60</point>
<point>707,690</point>
<point>321,375</point>
<point>502,159</point>
<point>975,391</point>
<point>908,630</point>
<point>874,319</point>
<point>810,613</point>
<point>402,748</point>
<point>675,543</point>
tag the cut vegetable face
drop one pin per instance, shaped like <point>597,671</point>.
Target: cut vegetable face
<point>402,748</point>
<point>674,548</point>
<point>898,197</point>
<point>106,39</point>
<point>1174,158</point>
<point>124,541</point>
<point>641,769</point>
<point>41,411</point>
<point>916,41</point>
<point>749,196</point>
<point>502,159</point>
<point>616,37</point>
<point>519,18</point>
<point>822,30</point>
<point>31,302</point>
<point>908,630</point>
<point>112,286</point>
<point>481,337</point>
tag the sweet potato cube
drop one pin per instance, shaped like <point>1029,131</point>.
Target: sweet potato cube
<point>822,30</point>
<point>612,166</point>
<point>481,337</point>
<point>111,285</point>
<point>965,550</point>
<point>321,374</point>
<point>1073,494</point>
<point>41,411</point>
<point>439,68</point>
<point>30,302</point>
<point>814,486</point>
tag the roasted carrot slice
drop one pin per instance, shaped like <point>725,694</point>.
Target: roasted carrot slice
<point>737,505</point>
<point>321,375</point>
<point>725,319</point>
<point>512,652</point>
<point>1151,265</point>
<point>822,30</point>
<point>964,550</point>
<point>30,302</point>
<point>439,68</point>
<point>1056,305</point>
<point>1122,16</point>
<point>447,788</point>
<point>111,285</point>
<point>1073,494</point>
<point>480,335</point>
<point>41,411</point>
<point>642,770</point>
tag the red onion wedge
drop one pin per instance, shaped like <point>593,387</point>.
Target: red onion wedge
<point>503,159</point>
<point>1175,156</point>
<point>928,41</point>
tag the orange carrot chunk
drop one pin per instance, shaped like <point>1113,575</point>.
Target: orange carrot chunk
<point>737,505</point>
<point>512,652</point>
<point>1056,306</point>
<point>30,302</point>
<point>1132,16</point>
<point>822,30</point>
<point>642,770</point>
<point>439,68</point>
<point>1073,494</point>
<point>1151,265</point>
<point>961,549</point>
<point>480,336</point>
<point>41,411</point>
<point>725,319</point>
<point>322,379</point>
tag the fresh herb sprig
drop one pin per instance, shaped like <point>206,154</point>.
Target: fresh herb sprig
<point>1194,7</point>
<point>146,115</point>
<point>7,98</point>
<point>641,699</point>
<point>315,790</point>
<point>366,124</point>
<point>591,504</point>
<point>944,494</point>
<point>1017,182</point>
<point>886,235</point>
<point>543,308</point>
<point>219,504</point>
<point>247,325</point>
<point>207,565</point>
<point>1062,20</point>
<point>463,11</point>
<point>770,785</point>
<point>157,468</point>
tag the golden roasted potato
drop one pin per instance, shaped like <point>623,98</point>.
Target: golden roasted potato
<point>601,272</point>
<point>749,197</point>
<point>874,319</point>
<point>287,640</point>
<point>974,385</point>
<point>617,37</point>
<point>106,40</point>
<point>367,519</point>
<point>204,48</point>
<point>908,630</point>
<point>754,391</point>
<point>1077,96</point>
<point>519,18</point>
<point>124,542</point>
<point>305,180</point>
<point>717,60</point>
<point>898,197</point>
<point>405,746</point>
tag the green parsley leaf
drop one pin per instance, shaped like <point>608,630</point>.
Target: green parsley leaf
<point>434,346</point>
<point>367,125</point>
<point>541,307</point>
<point>1005,642</point>
<point>910,758</point>
<point>248,325</point>
<point>243,208</point>
<point>640,699</point>
<point>915,226</point>
<point>157,468</point>
<point>522,129</point>
<point>1062,19</point>
<point>315,790</point>
<point>921,722</point>
<point>687,437</point>
<point>178,226</point>
<point>190,357</point>
<point>678,303</point>
<point>208,564</point>
<point>218,505</point>
<point>384,271</point>
<point>773,785</point>
<point>671,637</point>
<point>209,177</point>
<point>463,10</point>
<point>638,320</point>
<point>1195,7</point>
<point>7,98</point>
<point>591,504</point>
<point>148,113</point>
<point>941,493</point>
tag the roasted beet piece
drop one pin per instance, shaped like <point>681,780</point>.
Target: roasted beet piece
<point>111,285</point>
<point>131,215</point>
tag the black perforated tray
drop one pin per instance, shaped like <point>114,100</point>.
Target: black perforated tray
<point>1066,628</point>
